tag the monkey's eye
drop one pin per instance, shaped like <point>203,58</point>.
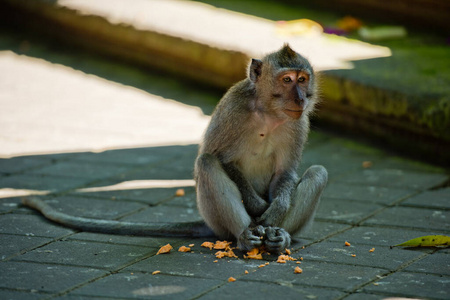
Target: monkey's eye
<point>301,79</point>
<point>287,79</point>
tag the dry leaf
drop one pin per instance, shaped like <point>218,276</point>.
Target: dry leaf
<point>367,164</point>
<point>184,249</point>
<point>207,245</point>
<point>427,241</point>
<point>253,254</point>
<point>219,245</point>
<point>222,254</point>
<point>180,193</point>
<point>164,249</point>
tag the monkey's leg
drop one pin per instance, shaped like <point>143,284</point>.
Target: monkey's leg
<point>305,199</point>
<point>304,203</point>
<point>220,203</point>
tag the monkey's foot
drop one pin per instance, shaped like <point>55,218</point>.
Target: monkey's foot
<point>251,238</point>
<point>277,239</point>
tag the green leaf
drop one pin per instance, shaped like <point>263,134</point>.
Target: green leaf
<point>427,241</point>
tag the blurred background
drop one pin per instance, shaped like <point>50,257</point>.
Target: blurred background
<point>108,74</point>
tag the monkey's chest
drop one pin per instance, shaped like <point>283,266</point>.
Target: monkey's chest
<point>258,163</point>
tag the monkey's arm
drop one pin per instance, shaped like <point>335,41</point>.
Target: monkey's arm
<point>253,203</point>
<point>280,195</point>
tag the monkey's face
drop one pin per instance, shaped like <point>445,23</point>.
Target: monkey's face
<point>291,92</point>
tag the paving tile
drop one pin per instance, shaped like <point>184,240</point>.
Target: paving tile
<point>320,230</point>
<point>150,242</point>
<point>182,168</point>
<point>22,163</point>
<point>151,196</point>
<point>189,200</point>
<point>9,204</point>
<point>415,285</point>
<point>93,208</point>
<point>79,169</point>
<point>429,219</point>
<point>317,274</point>
<point>369,194</point>
<point>264,290</point>
<point>14,244</point>
<point>365,296</point>
<point>87,254</point>
<point>41,182</point>
<point>198,264</point>
<point>163,213</point>
<point>43,277</point>
<point>144,286</point>
<point>138,156</point>
<point>31,225</point>
<point>344,210</point>
<point>14,295</point>
<point>337,252</point>
<point>432,199</point>
<point>378,236</point>
<point>437,263</point>
<point>395,178</point>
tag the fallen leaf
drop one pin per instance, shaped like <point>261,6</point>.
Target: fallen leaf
<point>427,241</point>
<point>219,245</point>
<point>164,249</point>
<point>222,254</point>
<point>180,193</point>
<point>184,249</point>
<point>367,164</point>
<point>253,254</point>
<point>283,258</point>
<point>207,245</point>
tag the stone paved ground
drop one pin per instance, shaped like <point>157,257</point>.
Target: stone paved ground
<point>104,140</point>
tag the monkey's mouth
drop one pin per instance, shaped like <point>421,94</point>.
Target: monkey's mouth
<point>293,113</point>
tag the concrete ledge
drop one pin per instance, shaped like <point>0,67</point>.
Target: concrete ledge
<point>392,116</point>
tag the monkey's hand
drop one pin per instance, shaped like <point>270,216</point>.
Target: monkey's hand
<point>251,238</point>
<point>277,239</point>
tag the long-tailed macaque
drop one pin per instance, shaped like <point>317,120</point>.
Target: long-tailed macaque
<point>246,171</point>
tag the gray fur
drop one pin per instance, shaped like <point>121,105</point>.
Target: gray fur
<point>246,171</point>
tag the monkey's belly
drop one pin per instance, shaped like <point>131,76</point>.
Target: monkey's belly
<point>259,172</point>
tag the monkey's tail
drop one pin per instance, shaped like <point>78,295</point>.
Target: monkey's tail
<point>187,229</point>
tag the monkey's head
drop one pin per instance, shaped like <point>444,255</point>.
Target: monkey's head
<point>284,82</point>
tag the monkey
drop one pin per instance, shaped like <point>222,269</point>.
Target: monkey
<point>247,184</point>
<point>246,171</point>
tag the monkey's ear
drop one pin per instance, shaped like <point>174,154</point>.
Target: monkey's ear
<point>255,69</point>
